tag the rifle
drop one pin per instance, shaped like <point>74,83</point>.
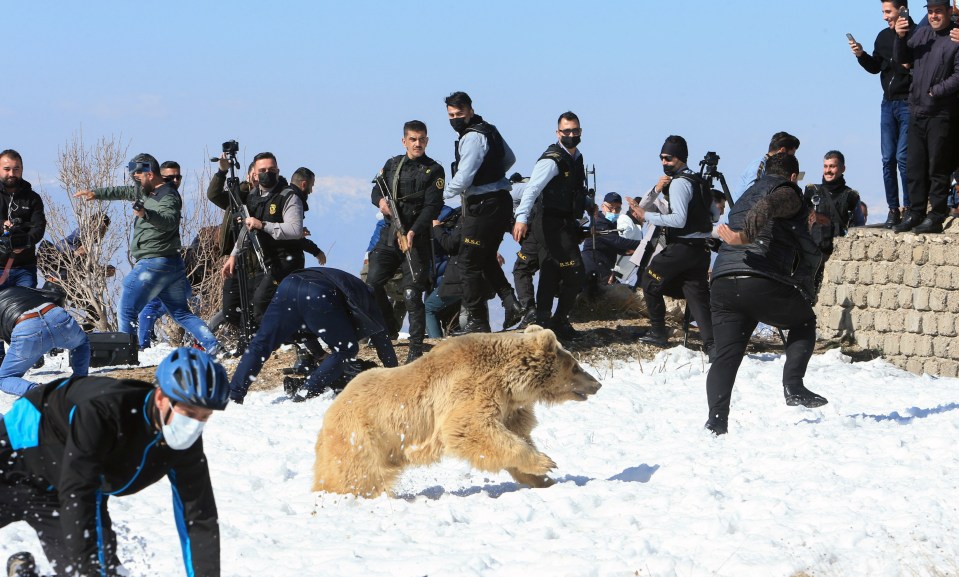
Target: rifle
<point>591,202</point>
<point>395,223</point>
<point>240,214</point>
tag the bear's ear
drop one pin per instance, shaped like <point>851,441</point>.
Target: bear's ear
<point>545,339</point>
<point>532,329</point>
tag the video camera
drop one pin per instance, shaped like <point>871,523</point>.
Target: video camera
<point>231,147</point>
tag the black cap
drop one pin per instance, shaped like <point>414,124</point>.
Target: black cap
<point>676,146</point>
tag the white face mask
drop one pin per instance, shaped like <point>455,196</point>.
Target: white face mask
<point>182,431</point>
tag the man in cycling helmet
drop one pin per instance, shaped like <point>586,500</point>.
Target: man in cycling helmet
<point>67,446</point>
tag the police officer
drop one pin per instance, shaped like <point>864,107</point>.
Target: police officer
<point>479,177</point>
<point>682,268</point>
<point>276,217</point>
<point>415,183</point>
<point>557,185</point>
<point>68,446</point>
<point>765,273</point>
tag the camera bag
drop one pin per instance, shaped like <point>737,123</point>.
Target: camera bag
<point>111,349</point>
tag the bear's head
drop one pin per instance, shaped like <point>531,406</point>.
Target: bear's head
<point>548,373</point>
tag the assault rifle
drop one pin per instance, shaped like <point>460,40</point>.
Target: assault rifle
<point>396,224</point>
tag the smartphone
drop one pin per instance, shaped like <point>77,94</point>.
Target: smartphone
<point>904,13</point>
<point>849,37</point>
<point>800,175</point>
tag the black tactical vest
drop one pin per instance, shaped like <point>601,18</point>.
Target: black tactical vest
<point>283,256</point>
<point>698,214</point>
<point>492,169</point>
<point>565,194</point>
<point>410,188</point>
<point>784,251</point>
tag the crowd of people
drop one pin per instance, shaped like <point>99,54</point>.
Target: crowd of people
<point>66,446</point>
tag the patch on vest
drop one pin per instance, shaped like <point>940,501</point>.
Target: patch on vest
<point>471,241</point>
<point>567,264</point>
<point>439,183</point>
<point>521,256</point>
<point>272,209</point>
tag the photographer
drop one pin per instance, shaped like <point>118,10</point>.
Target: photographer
<point>681,268</point>
<point>155,246</point>
<point>24,224</point>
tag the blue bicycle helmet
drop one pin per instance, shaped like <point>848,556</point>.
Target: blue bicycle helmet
<point>191,376</point>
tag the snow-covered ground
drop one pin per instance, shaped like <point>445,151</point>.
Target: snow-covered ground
<point>866,485</point>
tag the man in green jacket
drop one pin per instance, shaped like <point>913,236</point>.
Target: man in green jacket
<point>159,271</point>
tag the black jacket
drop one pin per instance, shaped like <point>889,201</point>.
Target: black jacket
<point>92,437</point>
<point>935,69</point>
<point>894,77</point>
<point>599,257</point>
<point>417,192</point>
<point>16,300</point>
<point>27,206</point>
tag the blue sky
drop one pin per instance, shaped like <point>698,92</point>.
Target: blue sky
<point>328,85</point>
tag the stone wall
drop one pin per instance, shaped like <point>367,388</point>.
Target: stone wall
<point>897,294</point>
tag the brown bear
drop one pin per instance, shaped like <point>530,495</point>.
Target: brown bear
<point>471,397</point>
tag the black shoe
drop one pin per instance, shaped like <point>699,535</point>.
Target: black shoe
<point>932,224</point>
<point>40,362</point>
<point>415,352</point>
<point>529,318</point>
<point>657,336</point>
<point>292,384</point>
<point>893,218</point>
<point>909,222</point>
<point>717,426</point>
<point>473,325</point>
<point>22,564</point>
<point>304,394</point>
<point>800,395</point>
<point>514,312</point>
<point>564,330</point>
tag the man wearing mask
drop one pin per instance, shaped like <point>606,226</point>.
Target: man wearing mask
<point>68,446</point>
<point>557,187</point>
<point>276,218</point>
<point>681,268</point>
<point>933,112</point>
<point>894,120</point>
<point>24,224</point>
<point>415,183</point>
<point>479,179</point>
<point>155,246</point>
<point>601,249</point>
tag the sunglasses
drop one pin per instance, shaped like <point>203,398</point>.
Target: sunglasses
<point>173,177</point>
<point>666,157</point>
<point>571,131</point>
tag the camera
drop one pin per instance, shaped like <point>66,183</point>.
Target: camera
<point>709,163</point>
<point>138,205</point>
<point>904,13</point>
<point>231,147</point>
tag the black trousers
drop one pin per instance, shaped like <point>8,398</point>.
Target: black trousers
<point>384,260</point>
<point>486,218</point>
<point>40,508</point>
<point>739,304</point>
<point>524,269</point>
<point>562,273</point>
<point>930,159</point>
<point>681,270</point>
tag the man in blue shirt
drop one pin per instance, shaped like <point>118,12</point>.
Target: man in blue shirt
<point>780,142</point>
<point>479,179</point>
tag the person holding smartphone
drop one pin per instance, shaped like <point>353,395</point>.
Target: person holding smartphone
<point>895,80</point>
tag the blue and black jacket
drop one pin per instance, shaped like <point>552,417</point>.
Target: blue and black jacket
<point>88,438</point>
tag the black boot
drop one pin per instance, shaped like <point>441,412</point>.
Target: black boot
<point>932,224</point>
<point>909,222</point>
<point>800,395</point>
<point>529,318</point>
<point>514,312</point>
<point>40,362</point>
<point>415,352</point>
<point>291,385</point>
<point>717,426</point>
<point>564,330</point>
<point>657,335</point>
<point>893,218</point>
<point>478,323</point>
<point>22,564</point>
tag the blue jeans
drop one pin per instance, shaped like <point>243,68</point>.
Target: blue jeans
<point>32,338</point>
<point>300,304</point>
<point>894,128</point>
<point>161,277</point>
<point>434,305</point>
<point>19,277</point>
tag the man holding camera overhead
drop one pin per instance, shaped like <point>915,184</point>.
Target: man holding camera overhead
<point>159,271</point>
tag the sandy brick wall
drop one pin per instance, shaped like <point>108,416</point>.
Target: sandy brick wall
<point>897,294</point>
